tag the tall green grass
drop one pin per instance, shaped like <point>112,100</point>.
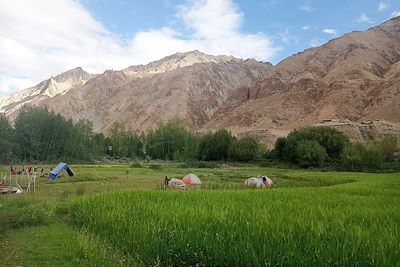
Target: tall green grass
<point>354,224</point>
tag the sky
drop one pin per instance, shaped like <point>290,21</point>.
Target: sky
<point>43,38</point>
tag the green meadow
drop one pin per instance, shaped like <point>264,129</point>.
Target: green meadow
<point>117,215</point>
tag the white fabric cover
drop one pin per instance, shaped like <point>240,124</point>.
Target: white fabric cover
<point>191,179</point>
<point>254,182</point>
<point>177,184</point>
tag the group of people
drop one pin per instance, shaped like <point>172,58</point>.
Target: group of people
<point>24,170</point>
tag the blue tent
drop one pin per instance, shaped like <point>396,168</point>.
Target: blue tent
<point>57,170</point>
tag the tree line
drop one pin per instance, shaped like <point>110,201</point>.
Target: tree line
<point>43,136</point>
<point>324,146</point>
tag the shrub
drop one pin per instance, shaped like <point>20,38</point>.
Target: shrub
<point>351,158</point>
<point>331,140</point>
<point>372,159</point>
<point>358,157</point>
<point>244,149</point>
<point>310,154</point>
<point>215,146</point>
<point>388,147</point>
<point>280,148</point>
<point>155,167</point>
<point>136,164</point>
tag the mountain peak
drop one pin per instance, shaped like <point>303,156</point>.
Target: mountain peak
<point>176,61</point>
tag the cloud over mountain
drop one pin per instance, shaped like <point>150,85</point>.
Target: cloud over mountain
<point>43,37</point>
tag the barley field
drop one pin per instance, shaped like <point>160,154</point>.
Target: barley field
<point>347,224</point>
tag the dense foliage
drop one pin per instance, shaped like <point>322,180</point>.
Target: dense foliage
<point>6,139</point>
<point>311,146</point>
<point>171,141</point>
<point>318,146</point>
<point>40,135</point>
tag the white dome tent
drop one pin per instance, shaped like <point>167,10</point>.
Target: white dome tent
<point>259,182</point>
<point>266,181</point>
<point>254,182</point>
<point>191,179</point>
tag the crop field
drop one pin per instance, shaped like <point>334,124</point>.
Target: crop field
<point>117,215</point>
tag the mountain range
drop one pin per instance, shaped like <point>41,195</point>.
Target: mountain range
<point>351,83</point>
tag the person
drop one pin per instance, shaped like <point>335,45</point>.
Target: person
<point>13,170</point>
<point>166,181</point>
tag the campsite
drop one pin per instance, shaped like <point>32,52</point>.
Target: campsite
<point>121,215</point>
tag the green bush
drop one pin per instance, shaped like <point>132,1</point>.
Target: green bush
<point>215,146</point>
<point>388,147</point>
<point>358,157</point>
<point>155,166</point>
<point>292,147</point>
<point>244,149</point>
<point>310,154</point>
<point>352,155</point>
<point>136,164</point>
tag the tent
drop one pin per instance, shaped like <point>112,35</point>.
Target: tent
<point>266,181</point>
<point>254,182</point>
<point>191,179</point>
<point>57,170</point>
<point>177,184</point>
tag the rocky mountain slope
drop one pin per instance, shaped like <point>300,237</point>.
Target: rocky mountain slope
<point>191,86</point>
<point>355,77</point>
<point>351,83</point>
<point>47,89</point>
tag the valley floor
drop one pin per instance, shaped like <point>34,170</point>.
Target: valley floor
<point>117,215</point>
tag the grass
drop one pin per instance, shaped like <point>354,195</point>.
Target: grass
<point>117,215</point>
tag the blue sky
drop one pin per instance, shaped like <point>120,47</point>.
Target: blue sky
<point>45,37</point>
<point>292,25</point>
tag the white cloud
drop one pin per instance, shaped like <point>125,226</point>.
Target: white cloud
<point>395,14</point>
<point>330,31</point>
<point>364,19</point>
<point>45,37</point>
<point>287,38</point>
<point>316,42</point>
<point>305,28</point>
<point>382,6</point>
<point>306,8</point>
<point>9,84</point>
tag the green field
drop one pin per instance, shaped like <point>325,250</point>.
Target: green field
<point>120,216</point>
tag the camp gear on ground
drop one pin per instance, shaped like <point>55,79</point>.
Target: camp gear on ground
<point>191,179</point>
<point>57,171</point>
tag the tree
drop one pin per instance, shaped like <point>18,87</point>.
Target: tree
<point>333,142</point>
<point>6,139</point>
<point>169,140</point>
<point>215,146</point>
<point>388,146</point>
<point>280,148</point>
<point>310,154</point>
<point>125,143</point>
<point>352,155</point>
<point>42,135</point>
<point>244,149</point>
<point>357,157</point>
